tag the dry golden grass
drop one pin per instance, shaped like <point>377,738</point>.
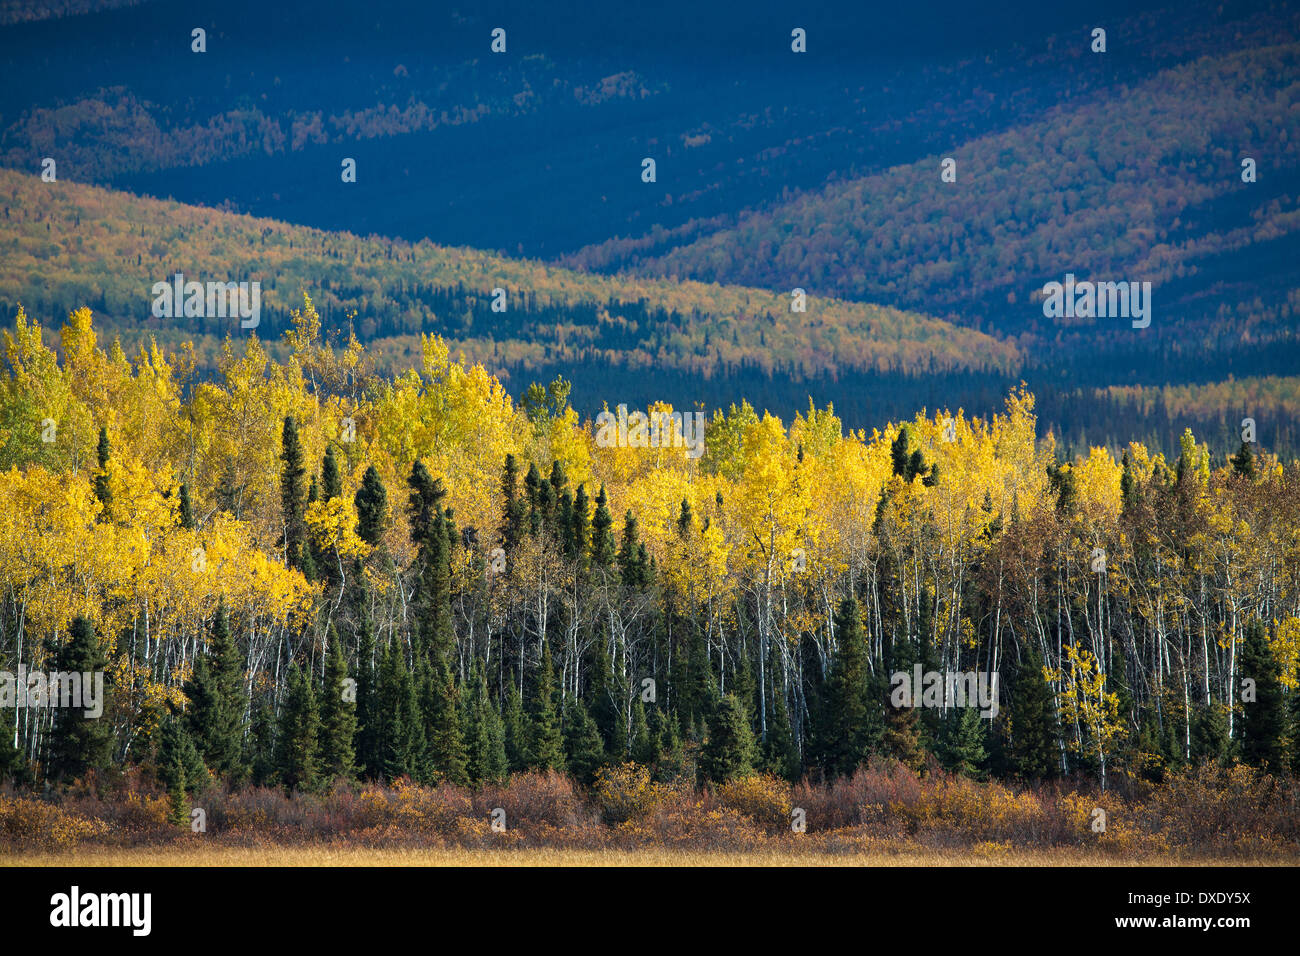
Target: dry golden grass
<point>350,856</point>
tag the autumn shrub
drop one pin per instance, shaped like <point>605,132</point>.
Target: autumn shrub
<point>883,808</point>
<point>690,820</point>
<point>534,800</point>
<point>861,799</point>
<point>1106,822</point>
<point>833,805</point>
<point>973,811</point>
<point>1098,820</point>
<point>256,809</point>
<point>764,798</point>
<point>1229,809</point>
<point>28,823</point>
<point>138,817</point>
<point>429,809</point>
<point>625,792</point>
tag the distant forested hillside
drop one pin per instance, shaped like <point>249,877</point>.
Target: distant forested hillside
<point>1143,185</point>
<point>67,243</point>
<point>775,171</point>
<point>615,338</point>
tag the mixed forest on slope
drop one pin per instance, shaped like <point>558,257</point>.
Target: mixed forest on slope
<point>68,244</point>
<point>776,172</point>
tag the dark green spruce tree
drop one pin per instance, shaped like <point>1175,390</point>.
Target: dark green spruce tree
<point>103,490</point>
<point>1033,751</point>
<point>444,737</point>
<point>780,753</point>
<point>298,737</point>
<point>728,751</point>
<point>1263,720</point>
<point>215,717</point>
<point>585,750</point>
<point>293,500</point>
<point>79,742</point>
<point>371,501</point>
<point>850,728</point>
<point>1209,739</point>
<point>546,743</point>
<point>399,727</point>
<point>331,481</point>
<point>518,732</point>
<point>645,748</point>
<point>338,716</point>
<point>368,733</point>
<point>962,738</point>
<point>486,736</point>
<point>187,509</point>
<point>180,770</point>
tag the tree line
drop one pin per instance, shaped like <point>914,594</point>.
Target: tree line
<point>289,578</point>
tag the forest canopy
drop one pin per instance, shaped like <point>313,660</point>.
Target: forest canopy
<point>500,587</point>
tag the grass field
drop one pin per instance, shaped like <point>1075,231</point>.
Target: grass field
<point>350,856</point>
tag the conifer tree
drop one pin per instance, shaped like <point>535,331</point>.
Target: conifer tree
<point>666,730</point>
<point>260,752</point>
<point>186,508</point>
<point>371,502</point>
<point>604,707</point>
<point>338,717</point>
<point>1148,752</point>
<point>684,519</point>
<point>423,505</point>
<point>898,451</point>
<point>204,706</point>
<point>13,767</point>
<point>103,490</point>
<point>729,747</point>
<point>1209,734</point>
<point>576,543</point>
<point>368,731</point>
<point>546,744</point>
<point>585,750</point>
<point>533,496</point>
<point>602,534</point>
<point>431,531</point>
<point>215,718</point>
<point>645,749</point>
<point>780,754</point>
<point>1243,463</point>
<point>1033,751</point>
<point>563,523</point>
<point>79,742</point>
<point>1263,721</point>
<point>514,513</point>
<point>330,479</point>
<point>518,733</point>
<point>559,480</point>
<point>439,631</point>
<point>850,731</point>
<point>396,717</point>
<point>448,760</point>
<point>745,689</point>
<point>486,737</point>
<point>298,738</point>
<point>632,568</point>
<point>701,690</point>
<point>1295,735</point>
<point>293,476</point>
<point>179,769</point>
<point>961,744</point>
<point>902,733</point>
